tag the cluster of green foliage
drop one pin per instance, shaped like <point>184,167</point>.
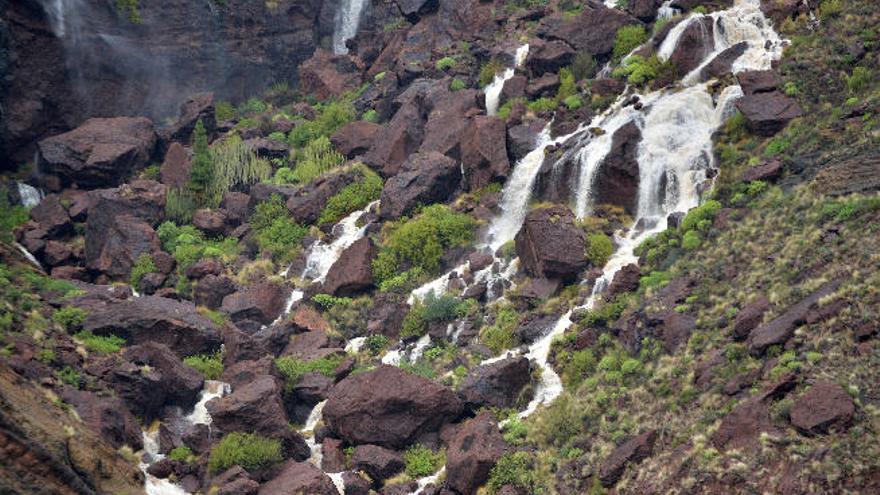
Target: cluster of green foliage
<point>180,204</point>
<point>100,344</point>
<point>223,111</point>
<point>352,197</point>
<point>501,334</point>
<point>326,301</point>
<point>583,66</point>
<point>375,344</point>
<point>209,365</point>
<point>421,241</point>
<point>315,159</point>
<point>515,5</point>
<point>599,248</point>
<point>70,317</point>
<point>431,310</point>
<point>445,63</point>
<point>332,116</point>
<point>294,368</point>
<point>201,175</point>
<point>274,229</point>
<point>627,39</point>
<point>422,461</point>
<point>181,454</point>
<point>488,71</point>
<point>513,468</point>
<point>11,216</point>
<point>457,85</point>
<point>247,450</point>
<point>142,266</point>
<point>235,165</point>
<point>188,245</point>
<point>130,9</point>
<point>639,70</point>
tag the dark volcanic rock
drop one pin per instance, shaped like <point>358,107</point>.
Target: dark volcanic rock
<point>859,174</point>
<point>389,407</point>
<point>767,171</point>
<point>378,462</point>
<point>326,75</point>
<point>472,452</point>
<point>767,113</point>
<point>255,407</point>
<point>397,139</point>
<point>306,203</point>
<point>549,57</point>
<point>353,272</point>
<point>617,180</point>
<point>749,317</point>
<point>99,153</point>
<point>155,319</point>
<point>355,138</point>
<point>106,416</point>
<point>722,64</point>
<point>825,405</point>
<point>210,290</point>
<point>497,384</point>
<point>593,31</point>
<point>425,178</point>
<point>262,302</point>
<point>521,139</point>
<point>112,248</point>
<point>694,45</point>
<point>298,478</point>
<point>484,152</point>
<point>759,81</point>
<point>742,427</point>
<point>176,166</point>
<point>633,451</point>
<point>549,244</point>
<point>780,329</point>
<point>625,280</point>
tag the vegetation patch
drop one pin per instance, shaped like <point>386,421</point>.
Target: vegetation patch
<point>247,450</point>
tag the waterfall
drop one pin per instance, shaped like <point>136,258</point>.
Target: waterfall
<point>30,196</point>
<point>199,416</point>
<point>27,254</point>
<point>348,17</point>
<point>667,11</point>
<point>493,90</point>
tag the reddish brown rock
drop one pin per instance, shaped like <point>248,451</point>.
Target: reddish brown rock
<point>332,455</point>
<point>307,202</point>
<point>106,416</point>
<point>297,478</point>
<point>617,179</point>
<point>397,139</point>
<point>824,406</point>
<point>101,152</point>
<point>472,453</point>
<point>592,31</point>
<point>211,222</point>
<point>625,280</point>
<point>52,216</point>
<point>549,56</point>
<point>389,407</point>
<point>325,75</point>
<point>355,138</point>
<point>759,81</point>
<point>424,178</point>
<point>353,272</point>
<point>496,385</point>
<point>741,428</point>
<point>549,244</point>
<point>176,166</point>
<point>768,113</point>
<point>484,152</point>
<point>632,451</point>
<point>243,372</point>
<point>767,171</point>
<point>255,407</point>
<point>262,302</point>
<point>749,317</point>
<point>695,43</point>
<point>113,244</point>
<point>780,329</point>
<point>210,290</point>
<point>378,462</point>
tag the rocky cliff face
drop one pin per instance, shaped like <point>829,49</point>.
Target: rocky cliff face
<point>67,61</point>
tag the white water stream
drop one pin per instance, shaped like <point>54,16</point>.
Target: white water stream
<point>348,18</point>
<point>30,195</point>
<point>493,90</point>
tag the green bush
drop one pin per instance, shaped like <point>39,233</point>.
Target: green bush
<point>599,248</point>
<point>488,71</point>
<point>441,308</point>
<point>370,115</point>
<point>234,165</point>
<point>252,106</point>
<point>100,344</point>
<point>180,204</point>
<point>691,240</point>
<point>567,85</point>
<point>421,241</point>
<point>209,365</point>
<point>573,102</point>
<point>501,335</point>
<point>457,85</point>
<point>247,450</point>
<point>129,9</point>
<point>859,78</point>
<point>333,116</point>
<point>655,279</point>
<point>11,216</point>
<point>142,266</point>
<point>326,301</point>
<point>579,366</point>
<point>70,317</point>
<point>422,461</point>
<point>375,344</point>
<point>445,63</point>
<point>414,324</point>
<point>513,468</point>
<point>696,216</point>
<point>224,111</point>
<point>69,376</point>
<point>639,70</point>
<point>404,282</point>
<point>627,39</point>
<point>188,245</point>
<point>201,175</point>
<point>584,66</point>
<point>352,197</point>
<point>317,158</point>
<point>181,454</point>
<point>293,368</point>
<point>543,105</point>
<point>274,229</point>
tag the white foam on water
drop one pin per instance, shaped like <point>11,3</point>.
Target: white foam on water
<point>493,90</point>
<point>30,195</point>
<point>348,18</point>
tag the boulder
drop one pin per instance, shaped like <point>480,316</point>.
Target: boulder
<point>296,478</point>
<point>592,31</point>
<point>545,85</point>
<point>262,302</point>
<point>269,149</point>
<point>147,319</point>
<point>448,121</point>
<point>254,407</point>
<point>625,280</point>
<point>378,462</point>
<point>355,484</point>
<point>332,455</point>
<point>325,75</point>
<point>210,290</point>
<point>389,407</point>
<point>237,207</point>
<point>106,416</point>
<point>780,329</point>
<point>549,244</point>
<point>741,428</point>
<point>767,113</point>
<point>424,178</point>
<point>695,43</point>
<point>722,64</point>
<point>397,139</point>
<point>211,222</point>
<point>150,377</point>
<point>307,202</point>
<point>749,317</point>
<point>522,138</point>
<point>753,82</point>
<point>498,384</point>
<point>176,166</point>
<point>52,216</point>
<point>617,179</point>
<point>515,87</point>
<point>353,272</point>
<point>143,199</point>
<point>853,175</point>
<point>484,152</point>
<point>768,171</point>
<point>824,406</point>
<point>549,56</point>
<point>355,138</point>
<point>311,345</point>
<point>198,107</point>
<point>634,451</point>
<point>472,452</point>
<point>114,243</point>
<point>241,373</point>
<point>643,10</point>
<point>99,153</point>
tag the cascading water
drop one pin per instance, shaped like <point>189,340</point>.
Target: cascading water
<point>667,11</point>
<point>30,195</point>
<point>493,90</point>
<point>199,416</point>
<point>348,18</point>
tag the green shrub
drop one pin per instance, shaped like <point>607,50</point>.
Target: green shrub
<point>181,454</point>
<point>580,365</point>
<point>142,266</point>
<point>599,248</point>
<point>404,282</point>
<point>691,240</point>
<point>488,71</point>
<point>627,39</point>
<point>151,172</point>
<point>375,344</point>
<point>513,468</point>
<point>188,245</point>
<point>422,461</point>
<point>129,9</point>
<point>70,317</point>
<point>11,216</point>
<point>333,116</point>
<point>639,70</point>
<point>223,111</point>
<point>247,450</point>
<point>441,308</point>
<point>370,115</point>
<point>317,158</point>
<point>706,211</point>
<point>457,85</point>
<point>414,324</point>
<point>445,63</point>
<point>655,279</point>
<point>859,78</point>
<point>543,105</point>
<point>501,335</point>
<point>352,197</point>
<point>69,376</point>
<point>100,344</point>
<point>235,165</point>
<point>180,204</point>
<point>293,368</point>
<point>573,102</point>
<point>209,365</point>
<point>201,175</point>
<point>274,229</point>
<point>829,9</point>
<point>567,84</point>
<point>326,301</point>
<point>584,66</point>
<point>421,241</point>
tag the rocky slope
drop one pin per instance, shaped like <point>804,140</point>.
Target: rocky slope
<point>497,247</point>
